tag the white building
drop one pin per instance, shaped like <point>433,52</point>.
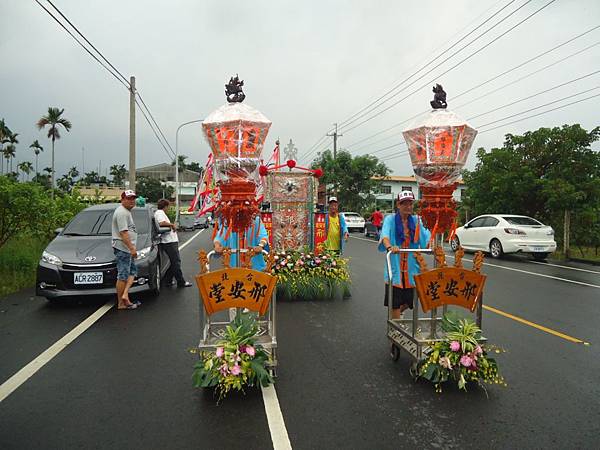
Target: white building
<point>392,185</point>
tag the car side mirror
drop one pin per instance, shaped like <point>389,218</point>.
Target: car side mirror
<point>58,231</point>
<point>466,226</point>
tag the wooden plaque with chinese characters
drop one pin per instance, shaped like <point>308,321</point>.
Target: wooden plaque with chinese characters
<point>449,286</point>
<point>236,288</point>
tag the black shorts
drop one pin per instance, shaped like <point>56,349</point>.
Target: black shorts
<point>400,297</point>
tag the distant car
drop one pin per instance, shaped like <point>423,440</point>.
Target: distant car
<point>354,222</point>
<point>186,222</point>
<point>80,260</point>
<point>506,233</point>
<point>370,229</point>
<point>200,223</point>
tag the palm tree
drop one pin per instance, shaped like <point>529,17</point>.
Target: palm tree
<point>53,119</point>
<point>37,148</point>
<point>26,168</point>
<point>182,165</point>
<point>90,178</point>
<point>4,134</point>
<point>9,153</point>
<point>73,173</point>
<point>118,173</point>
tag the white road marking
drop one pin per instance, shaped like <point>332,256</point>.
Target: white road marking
<point>516,270</point>
<point>279,434</point>
<point>182,246</point>
<point>10,385</point>
<point>564,267</point>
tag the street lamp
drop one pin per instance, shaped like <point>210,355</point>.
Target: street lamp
<point>177,166</point>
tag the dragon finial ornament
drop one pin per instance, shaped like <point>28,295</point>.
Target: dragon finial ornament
<point>203,261</point>
<point>440,256</point>
<point>478,262</point>
<point>233,90</point>
<point>422,262</point>
<point>439,99</point>
<point>458,256</point>
<point>227,258</point>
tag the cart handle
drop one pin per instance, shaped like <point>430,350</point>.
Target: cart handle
<point>213,252</point>
<point>402,250</point>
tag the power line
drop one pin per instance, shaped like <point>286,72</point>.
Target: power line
<point>487,94</point>
<point>454,66</point>
<point>155,123</point>
<point>86,40</point>
<point>396,86</point>
<point>171,154</point>
<point>126,84</point>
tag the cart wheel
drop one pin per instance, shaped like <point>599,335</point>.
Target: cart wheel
<point>414,369</point>
<point>394,352</point>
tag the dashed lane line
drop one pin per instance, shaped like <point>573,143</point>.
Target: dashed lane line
<point>13,383</point>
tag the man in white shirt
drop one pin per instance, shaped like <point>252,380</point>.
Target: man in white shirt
<point>170,243</point>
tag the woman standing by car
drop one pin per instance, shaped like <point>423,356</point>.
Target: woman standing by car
<point>170,243</point>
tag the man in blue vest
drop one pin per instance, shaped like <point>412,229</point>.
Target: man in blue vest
<point>402,230</point>
<point>335,227</point>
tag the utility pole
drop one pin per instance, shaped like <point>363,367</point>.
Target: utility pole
<point>82,161</point>
<point>132,133</point>
<point>335,136</point>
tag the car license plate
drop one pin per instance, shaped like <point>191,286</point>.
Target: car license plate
<point>88,278</point>
<point>539,249</point>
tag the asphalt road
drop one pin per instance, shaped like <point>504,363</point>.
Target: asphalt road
<point>126,381</point>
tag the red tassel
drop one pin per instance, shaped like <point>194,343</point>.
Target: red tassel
<point>433,232</point>
<point>417,231</point>
<point>452,232</point>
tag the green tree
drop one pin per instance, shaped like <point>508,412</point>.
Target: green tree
<point>542,173</point>
<point>4,139</point>
<point>54,121</point>
<point>195,166</point>
<point>10,150</point>
<point>90,178</point>
<point>26,167</point>
<point>152,189</point>
<point>37,149</point>
<point>118,172</point>
<point>182,164</point>
<point>352,177</point>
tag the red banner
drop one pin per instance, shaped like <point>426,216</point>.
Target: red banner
<point>320,232</point>
<point>267,218</point>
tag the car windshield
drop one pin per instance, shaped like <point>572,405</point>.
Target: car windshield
<point>351,214</point>
<point>521,220</point>
<point>99,222</point>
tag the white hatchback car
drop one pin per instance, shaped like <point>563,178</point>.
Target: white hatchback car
<point>354,221</point>
<point>506,233</point>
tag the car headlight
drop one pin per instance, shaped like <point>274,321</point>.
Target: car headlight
<point>550,232</point>
<point>143,253</point>
<point>51,259</point>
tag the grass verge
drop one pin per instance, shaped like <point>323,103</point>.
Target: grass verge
<point>18,263</point>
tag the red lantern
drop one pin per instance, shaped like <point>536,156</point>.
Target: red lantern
<point>439,145</point>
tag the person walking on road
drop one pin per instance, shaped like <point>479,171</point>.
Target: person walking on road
<point>377,221</point>
<point>170,244</point>
<point>124,237</point>
<point>335,227</point>
<point>401,231</point>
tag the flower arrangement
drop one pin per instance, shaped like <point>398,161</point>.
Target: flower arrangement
<point>460,356</point>
<point>237,362</point>
<point>307,275</point>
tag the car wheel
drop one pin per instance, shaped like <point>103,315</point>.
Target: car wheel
<point>454,243</point>
<point>496,249</point>
<point>540,256</point>
<point>155,289</point>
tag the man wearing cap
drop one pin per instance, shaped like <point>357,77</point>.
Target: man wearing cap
<point>335,227</point>
<point>124,237</point>
<point>402,230</point>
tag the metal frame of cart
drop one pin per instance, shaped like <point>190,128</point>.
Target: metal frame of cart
<point>415,334</point>
<point>212,332</point>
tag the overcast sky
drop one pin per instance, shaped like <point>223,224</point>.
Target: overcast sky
<point>306,64</point>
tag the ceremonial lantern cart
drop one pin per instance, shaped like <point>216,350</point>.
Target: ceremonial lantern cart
<point>438,145</point>
<point>236,134</point>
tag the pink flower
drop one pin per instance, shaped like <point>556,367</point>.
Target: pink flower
<point>235,370</point>
<point>243,348</point>
<point>224,369</point>
<point>478,350</point>
<point>454,346</point>
<point>250,350</point>
<point>333,263</point>
<point>466,361</point>
<point>220,352</point>
<point>318,261</point>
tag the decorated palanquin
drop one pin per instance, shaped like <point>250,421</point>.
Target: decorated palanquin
<point>439,146</point>
<point>292,196</point>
